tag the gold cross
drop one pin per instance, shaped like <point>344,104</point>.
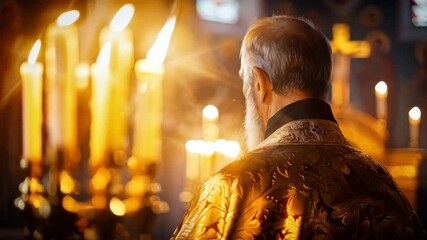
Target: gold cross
<point>344,50</point>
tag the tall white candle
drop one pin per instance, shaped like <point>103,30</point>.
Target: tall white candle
<point>414,117</point>
<point>100,107</point>
<point>207,153</point>
<point>192,171</point>
<point>148,114</point>
<point>209,123</point>
<point>61,62</point>
<point>121,60</point>
<point>381,98</point>
<point>31,75</point>
<point>147,137</point>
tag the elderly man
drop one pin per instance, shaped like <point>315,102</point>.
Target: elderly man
<point>302,179</point>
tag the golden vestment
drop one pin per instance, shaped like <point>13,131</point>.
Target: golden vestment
<point>305,181</point>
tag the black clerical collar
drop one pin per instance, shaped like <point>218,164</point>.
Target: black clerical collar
<point>312,108</point>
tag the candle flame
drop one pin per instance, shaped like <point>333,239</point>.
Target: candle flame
<point>210,112</point>
<point>32,58</point>
<point>103,58</point>
<point>157,52</point>
<point>122,17</point>
<point>381,88</point>
<point>67,18</point>
<point>415,113</point>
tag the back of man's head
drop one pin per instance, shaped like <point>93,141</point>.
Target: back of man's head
<point>292,51</point>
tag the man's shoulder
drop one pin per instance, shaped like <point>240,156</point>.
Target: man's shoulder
<point>294,154</point>
<point>310,166</point>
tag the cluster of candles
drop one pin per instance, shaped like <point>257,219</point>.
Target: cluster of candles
<point>110,80</point>
<point>208,155</point>
<point>414,115</point>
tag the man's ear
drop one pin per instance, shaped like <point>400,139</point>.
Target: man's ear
<point>263,85</point>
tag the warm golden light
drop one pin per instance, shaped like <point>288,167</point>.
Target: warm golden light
<point>381,88</point>
<point>44,209</point>
<point>157,52</point>
<point>67,18</point>
<point>32,57</point>
<point>67,184</point>
<point>132,204</point>
<point>36,200</point>
<point>191,146</point>
<point>35,185</point>
<point>210,112</point>
<point>122,17</point>
<point>415,114</point>
<point>101,179</point>
<point>228,148</point>
<point>82,74</point>
<point>206,147</point>
<point>341,42</point>
<point>99,201</point>
<point>137,186</point>
<point>132,163</point>
<point>200,147</point>
<point>19,203</point>
<point>117,206</point>
<point>70,204</point>
<point>103,58</point>
<point>24,186</point>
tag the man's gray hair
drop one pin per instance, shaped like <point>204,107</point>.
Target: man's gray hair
<point>292,51</point>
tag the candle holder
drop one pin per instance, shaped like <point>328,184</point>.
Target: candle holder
<point>41,205</point>
<point>52,214</point>
<point>73,192</point>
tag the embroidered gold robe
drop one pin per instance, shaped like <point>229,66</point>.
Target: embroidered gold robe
<point>305,181</point>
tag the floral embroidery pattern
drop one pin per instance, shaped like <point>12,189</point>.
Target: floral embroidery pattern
<point>304,182</point>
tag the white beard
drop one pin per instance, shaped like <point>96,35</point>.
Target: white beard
<point>254,127</point>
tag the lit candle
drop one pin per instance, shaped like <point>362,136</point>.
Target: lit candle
<point>414,116</point>
<point>100,106</point>
<point>147,137</point>
<point>381,96</point>
<point>61,62</point>
<point>193,161</point>
<point>31,75</point>
<point>207,151</point>
<point>209,123</point>
<point>121,60</point>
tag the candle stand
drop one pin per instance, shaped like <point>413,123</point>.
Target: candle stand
<point>107,191</point>
<point>51,214</point>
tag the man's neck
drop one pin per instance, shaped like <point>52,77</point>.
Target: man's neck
<point>279,101</point>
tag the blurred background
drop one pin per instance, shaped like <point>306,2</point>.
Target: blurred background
<point>201,68</point>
